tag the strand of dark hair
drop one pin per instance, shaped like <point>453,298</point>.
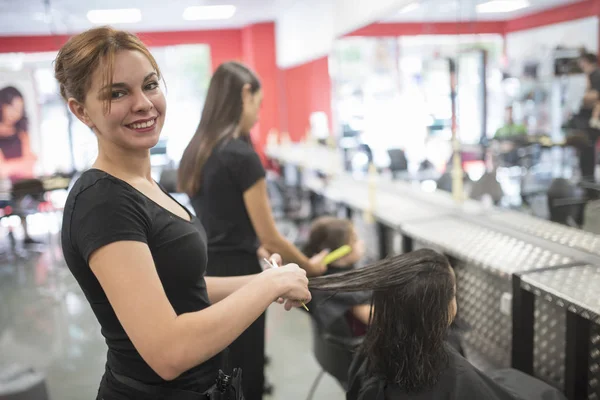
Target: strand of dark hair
<point>411,295</point>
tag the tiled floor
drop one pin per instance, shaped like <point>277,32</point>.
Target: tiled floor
<point>46,323</point>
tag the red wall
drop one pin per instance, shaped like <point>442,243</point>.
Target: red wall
<point>307,88</point>
<point>224,44</point>
<point>258,44</point>
<point>31,44</point>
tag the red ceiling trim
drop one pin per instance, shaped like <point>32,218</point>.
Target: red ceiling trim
<point>41,43</point>
<point>556,15</point>
<point>430,28</point>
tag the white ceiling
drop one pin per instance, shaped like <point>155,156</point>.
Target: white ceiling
<point>464,10</point>
<point>27,17</point>
<point>30,17</point>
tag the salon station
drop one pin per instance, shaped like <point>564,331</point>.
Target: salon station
<point>470,128</point>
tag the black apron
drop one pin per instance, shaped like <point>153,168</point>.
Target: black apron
<point>248,350</point>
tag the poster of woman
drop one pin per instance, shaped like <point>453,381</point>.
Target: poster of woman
<point>17,159</point>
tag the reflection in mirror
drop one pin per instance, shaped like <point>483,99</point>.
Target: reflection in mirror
<point>523,114</point>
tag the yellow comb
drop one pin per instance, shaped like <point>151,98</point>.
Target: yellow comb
<point>337,254</point>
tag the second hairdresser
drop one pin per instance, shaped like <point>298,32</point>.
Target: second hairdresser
<point>225,180</point>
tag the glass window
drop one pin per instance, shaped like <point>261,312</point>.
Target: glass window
<point>186,70</point>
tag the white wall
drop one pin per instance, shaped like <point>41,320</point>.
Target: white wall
<point>351,15</point>
<point>539,43</point>
<point>306,30</point>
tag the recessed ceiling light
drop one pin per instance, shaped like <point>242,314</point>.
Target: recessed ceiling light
<point>197,13</point>
<point>409,7</point>
<point>116,16</point>
<point>501,6</point>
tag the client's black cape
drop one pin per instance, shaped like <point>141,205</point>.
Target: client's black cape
<point>459,381</point>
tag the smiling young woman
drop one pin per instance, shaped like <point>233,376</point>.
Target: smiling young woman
<point>139,256</point>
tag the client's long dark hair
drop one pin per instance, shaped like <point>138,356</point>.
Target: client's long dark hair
<point>412,293</point>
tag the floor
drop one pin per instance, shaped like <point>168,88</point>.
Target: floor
<point>47,325</point>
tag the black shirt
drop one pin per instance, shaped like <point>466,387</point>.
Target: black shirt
<point>594,78</point>
<point>459,381</point>
<point>11,146</point>
<point>594,81</point>
<point>102,209</point>
<point>232,168</point>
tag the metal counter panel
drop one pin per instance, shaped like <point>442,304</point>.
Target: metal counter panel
<point>594,364</point>
<point>483,247</point>
<point>550,231</point>
<point>478,297</point>
<point>575,288</point>
<point>549,343</point>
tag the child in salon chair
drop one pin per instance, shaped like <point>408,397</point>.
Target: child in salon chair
<point>344,313</point>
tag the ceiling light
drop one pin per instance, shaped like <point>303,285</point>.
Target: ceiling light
<point>502,6</point>
<point>116,16</point>
<point>196,13</point>
<point>409,7</point>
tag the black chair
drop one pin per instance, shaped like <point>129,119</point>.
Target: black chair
<point>444,182</point>
<point>398,161</point>
<point>334,353</point>
<point>566,202</point>
<point>22,384</point>
<point>487,185</point>
<point>168,180</point>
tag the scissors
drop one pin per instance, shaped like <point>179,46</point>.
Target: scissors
<point>273,264</point>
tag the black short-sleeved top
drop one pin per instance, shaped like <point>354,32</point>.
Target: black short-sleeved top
<point>232,168</point>
<point>102,209</point>
<point>330,309</point>
<point>594,78</point>
<point>11,146</point>
<point>460,380</point>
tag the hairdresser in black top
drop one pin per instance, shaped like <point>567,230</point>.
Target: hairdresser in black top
<point>139,256</point>
<point>225,179</point>
<point>585,123</point>
<point>404,355</point>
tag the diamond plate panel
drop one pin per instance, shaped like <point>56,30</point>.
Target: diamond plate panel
<point>478,296</point>
<point>548,230</point>
<point>574,288</point>
<point>594,364</point>
<point>480,246</point>
<point>549,343</point>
